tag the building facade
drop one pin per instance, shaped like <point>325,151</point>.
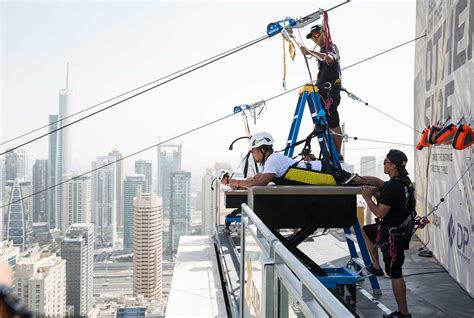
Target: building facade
<point>207,204</point>
<point>169,160</point>
<point>40,283</point>
<point>77,249</point>
<point>104,200</point>
<point>16,165</point>
<point>52,163</point>
<point>118,188</point>
<point>77,200</point>
<point>180,207</point>
<point>147,246</point>
<point>40,182</point>
<point>368,166</point>
<point>19,220</point>
<point>132,185</point>
<point>144,167</point>
<point>63,152</point>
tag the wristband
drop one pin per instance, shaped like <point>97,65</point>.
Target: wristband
<point>238,183</point>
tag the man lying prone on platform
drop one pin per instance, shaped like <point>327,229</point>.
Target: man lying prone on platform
<point>280,169</point>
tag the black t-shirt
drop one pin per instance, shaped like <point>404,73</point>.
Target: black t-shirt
<point>393,195</point>
<point>329,72</point>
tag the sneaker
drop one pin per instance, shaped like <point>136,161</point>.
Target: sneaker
<point>375,271</point>
<point>397,314</point>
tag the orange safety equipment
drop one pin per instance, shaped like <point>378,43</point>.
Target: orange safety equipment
<point>463,137</point>
<point>434,130</point>
<point>446,135</point>
<point>424,141</point>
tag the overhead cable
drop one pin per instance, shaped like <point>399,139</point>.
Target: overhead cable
<point>137,94</point>
<point>123,94</point>
<point>357,99</point>
<point>120,159</point>
<point>209,62</point>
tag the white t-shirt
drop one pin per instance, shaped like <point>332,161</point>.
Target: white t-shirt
<point>278,163</point>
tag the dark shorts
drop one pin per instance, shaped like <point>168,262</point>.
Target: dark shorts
<point>333,115</point>
<point>393,270</point>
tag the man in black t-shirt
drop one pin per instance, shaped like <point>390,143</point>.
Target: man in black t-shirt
<point>394,211</point>
<point>329,78</point>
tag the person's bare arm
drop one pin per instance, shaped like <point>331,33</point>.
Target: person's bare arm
<point>260,179</point>
<point>320,56</point>
<point>369,180</point>
<point>380,210</point>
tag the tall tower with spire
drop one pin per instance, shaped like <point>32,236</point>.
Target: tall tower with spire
<point>63,150</point>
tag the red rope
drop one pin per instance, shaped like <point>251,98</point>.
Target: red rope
<point>328,39</point>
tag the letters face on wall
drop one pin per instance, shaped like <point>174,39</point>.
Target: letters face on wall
<point>444,89</point>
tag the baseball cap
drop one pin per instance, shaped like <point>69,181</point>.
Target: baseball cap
<point>314,28</point>
<point>399,159</point>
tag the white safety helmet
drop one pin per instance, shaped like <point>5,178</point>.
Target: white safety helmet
<point>261,139</point>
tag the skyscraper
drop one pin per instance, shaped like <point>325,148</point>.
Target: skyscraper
<point>169,160</point>
<point>16,165</point>
<point>77,249</point>
<point>103,201</point>
<point>77,197</point>
<point>19,213</point>
<point>180,207</point>
<point>52,165</point>
<point>40,182</point>
<point>207,204</point>
<point>367,166</point>
<point>40,282</point>
<point>131,185</point>
<point>118,188</point>
<point>147,246</point>
<point>144,167</point>
<point>63,148</point>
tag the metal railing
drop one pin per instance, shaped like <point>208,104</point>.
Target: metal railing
<point>307,293</point>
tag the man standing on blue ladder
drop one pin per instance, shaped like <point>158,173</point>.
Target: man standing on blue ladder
<point>329,78</point>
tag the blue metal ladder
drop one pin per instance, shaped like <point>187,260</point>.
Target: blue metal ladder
<point>309,93</point>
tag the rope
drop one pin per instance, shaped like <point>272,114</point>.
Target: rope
<point>357,99</point>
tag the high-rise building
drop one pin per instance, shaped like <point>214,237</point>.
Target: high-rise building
<point>63,150</point>
<point>147,246</point>
<point>40,283</point>
<point>52,165</point>
<point>19,220</point>
<point>16,165</point>
<point>131,185</point>
<point>207,205</point>
<point>180,207</point>
<point>367,166</point>
<point>118,187</point>
<point>77,198</point>
<point>348,167</point>
<point>9,253</point>
<point>40,182</point>
<point>77,249</point>
<point>169,160</point>
<point>144,167</point>
<point>103,200</point>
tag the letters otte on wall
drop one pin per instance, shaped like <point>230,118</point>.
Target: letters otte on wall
<point>444,93</point>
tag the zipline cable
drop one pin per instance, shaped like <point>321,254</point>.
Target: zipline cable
<point>135,95</point>
<point>123,94</point>
<point>221,56</point>
<point>120,159</point>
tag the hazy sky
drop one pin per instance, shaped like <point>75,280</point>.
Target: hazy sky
<point>114,46</point>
